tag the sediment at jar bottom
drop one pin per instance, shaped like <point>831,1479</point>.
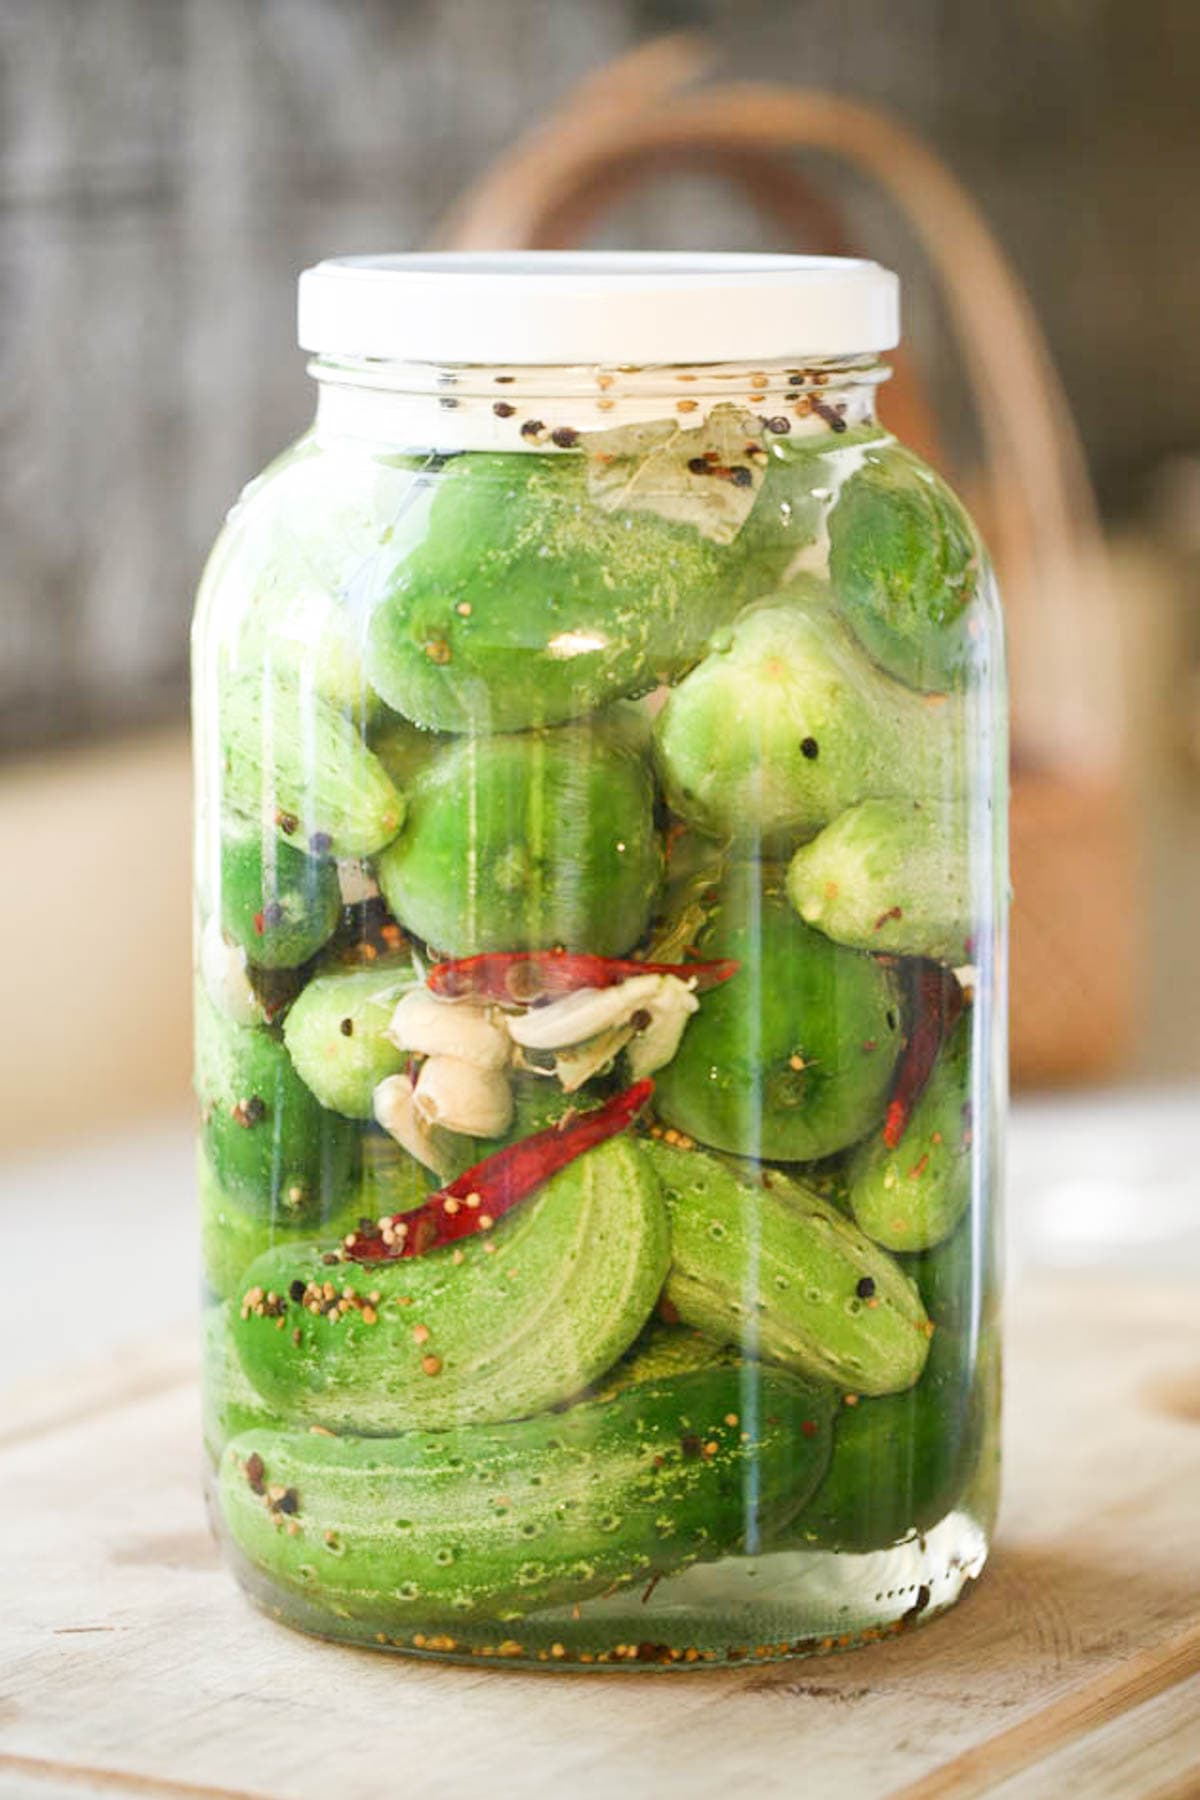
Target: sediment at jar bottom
<point>512,1320</point>
<point>760,1261</point>
<point>492,1522</point>
<point>791,1060</point>
<point>530,840</point>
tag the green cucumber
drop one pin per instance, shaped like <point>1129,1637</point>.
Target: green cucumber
<point>528,605</point>
<point>277,903</point>
<point>912,1197</point>
<point>779,1272</point>
<point>531,1313</point>
<point>952,1278</point>
<point>899,1461</point>
<point>487,1522</point>
<point>392,1180</point>
<point>793,1058</point>
<point>335,1034</point>
<point>786,723</point>
<point>905,560</point>
<point>521,842</point>
<point>273,1149</point>
<point>304,552</point>
<point>403,748</point>
<point>292,758</point>
<point>661,1353</point>
<point>890,875</point>
<point>232,1238</point>
<point>229,1405</point>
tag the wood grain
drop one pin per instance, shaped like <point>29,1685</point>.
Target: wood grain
<point>131,1666</point>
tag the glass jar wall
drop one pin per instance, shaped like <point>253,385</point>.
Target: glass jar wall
<point>599,999</point>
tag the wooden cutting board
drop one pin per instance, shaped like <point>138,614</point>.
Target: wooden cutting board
<point>131,1666</point>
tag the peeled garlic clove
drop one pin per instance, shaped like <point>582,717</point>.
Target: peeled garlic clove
<point>578,1064</point>
<point>460,1096</point>
<point>223,972</point>
<point>656,1042</point>
<point>396,1111</point>
<point>583,1015</point>
<point>428,1026</point>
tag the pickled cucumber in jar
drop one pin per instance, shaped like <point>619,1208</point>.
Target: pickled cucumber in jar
<point>600,915</point>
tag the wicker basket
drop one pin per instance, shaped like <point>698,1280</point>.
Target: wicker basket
<point>1073,961</point>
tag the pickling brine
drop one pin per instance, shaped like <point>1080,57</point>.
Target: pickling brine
<point>600,877</point>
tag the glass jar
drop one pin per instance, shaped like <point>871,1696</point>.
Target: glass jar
<point>600,876</point>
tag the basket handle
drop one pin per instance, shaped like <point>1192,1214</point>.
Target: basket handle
<point>636,119</point>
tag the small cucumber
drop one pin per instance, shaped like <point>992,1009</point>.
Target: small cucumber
<point>232,1238</point>
<point>779,1272</point>
<point>662,1352</point>
<point>792,1059</point>
<point>528,605</point>
<point>905,562</point>
<point>953,1278</point>
<point>304,551</point>
<point>488,1522</point>
<point>514,1319</point>
<point>890,875</point>
<point>522,841</point>
<point>335,1032</point>
<point>403,749</point>
<point>786,723</point>
<point>273,1149</point>
<point>912,1197</point>
<point>292,758</point>
<point>899,1461</point>
<point>277,903</point>
<point>229,1405</point>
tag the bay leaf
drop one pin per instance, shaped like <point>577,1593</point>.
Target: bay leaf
<point>707,476</point>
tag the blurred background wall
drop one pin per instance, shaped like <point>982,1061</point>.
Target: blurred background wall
<point>166,167</point>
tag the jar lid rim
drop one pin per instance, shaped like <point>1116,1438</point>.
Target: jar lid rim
<point>622,307</point>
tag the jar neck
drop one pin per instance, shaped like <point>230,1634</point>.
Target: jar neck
<point>472,407</point>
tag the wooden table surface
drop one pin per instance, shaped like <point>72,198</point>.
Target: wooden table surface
<point>132,1667</point>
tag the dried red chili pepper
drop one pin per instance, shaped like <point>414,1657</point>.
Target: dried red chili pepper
<point>474,1201</point>
<point>522,976</point>
<point>935,1004</point>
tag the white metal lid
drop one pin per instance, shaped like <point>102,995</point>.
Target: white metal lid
<point>564,306</point>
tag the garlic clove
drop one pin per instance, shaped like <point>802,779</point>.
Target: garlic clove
<point>656,1043</point>
<point>428,1026</point>
<point>580,1062</point>
<point>223,972</point>
<point>460,1096</point>
<point>396,1111</point>
<point>585,1014</point>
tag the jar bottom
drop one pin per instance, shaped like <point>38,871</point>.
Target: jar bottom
<point>791,1604</point>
